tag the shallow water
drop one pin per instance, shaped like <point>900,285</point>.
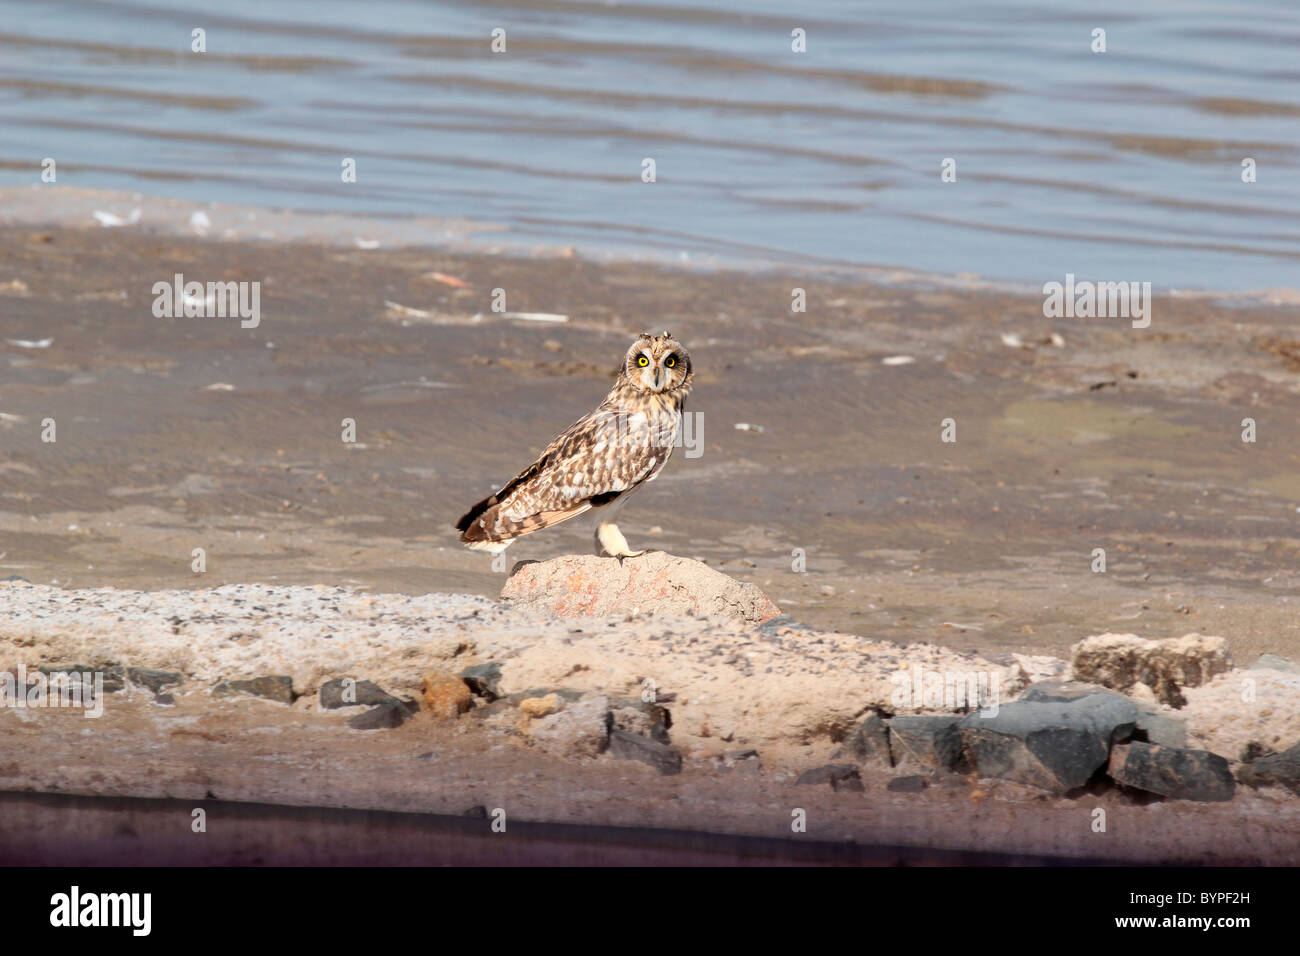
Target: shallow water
<point>1122,165</point>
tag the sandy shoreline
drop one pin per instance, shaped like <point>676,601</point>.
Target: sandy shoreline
<point>187,433</point>
<point>177,434</point>
<point>786,696</point>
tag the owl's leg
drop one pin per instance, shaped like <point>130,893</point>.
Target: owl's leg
<point>610,541</point>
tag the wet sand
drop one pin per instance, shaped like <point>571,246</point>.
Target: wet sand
<point>1122,439</point>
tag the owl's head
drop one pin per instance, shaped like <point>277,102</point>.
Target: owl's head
<point>657,363</point>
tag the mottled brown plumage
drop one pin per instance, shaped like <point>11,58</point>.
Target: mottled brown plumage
<point>599,459</point>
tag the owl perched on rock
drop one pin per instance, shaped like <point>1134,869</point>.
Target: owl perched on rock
<point>598,460</point>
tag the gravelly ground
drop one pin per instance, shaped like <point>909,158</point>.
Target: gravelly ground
<point>788,698</point>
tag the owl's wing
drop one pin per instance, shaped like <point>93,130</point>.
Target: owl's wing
<point>591,463</point>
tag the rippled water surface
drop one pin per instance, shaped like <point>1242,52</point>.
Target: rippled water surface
<point>1122,165</point>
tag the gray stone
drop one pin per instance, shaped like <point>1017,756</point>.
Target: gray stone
<point>923,741</point>
<point>278,689</point>
<point>1152,725</point>
<point>625,746</point>
<point>154,680</point>
<point>912,784</point>
<point>367,693</point>
<point>384,717</point>
<point>1161,729</point>
<point>1060,692</point>
<point>1171,771</point>
<point>165,700</point>
<point>869,742</point>
<point>1274,769</point>
<point>15,578</point>
<point>840,776</point>
<point>484,680</point>
<point>114,674</point>
<point>1049,745</point>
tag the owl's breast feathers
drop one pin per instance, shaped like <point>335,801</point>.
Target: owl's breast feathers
<point>602,456</point>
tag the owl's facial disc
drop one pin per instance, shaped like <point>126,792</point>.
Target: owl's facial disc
<point>657,364</point>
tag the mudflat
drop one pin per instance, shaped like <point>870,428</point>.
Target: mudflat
<point>184,433</point>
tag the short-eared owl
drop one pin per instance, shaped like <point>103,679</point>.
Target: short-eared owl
<point>598,460</point>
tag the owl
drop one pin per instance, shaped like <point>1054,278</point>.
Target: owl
<point>598,460</point>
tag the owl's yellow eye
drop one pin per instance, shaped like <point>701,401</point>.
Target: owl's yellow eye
<point>642,360</point>
<point>670,361</point>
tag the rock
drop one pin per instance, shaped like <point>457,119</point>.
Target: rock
<point>1244,707</point>
<point>540,706</point>
<point>912,784</point>
<point>15,579</point>
<point>333,694</point>
<point>1058,692</point>
<point>154,680</point>
<point>114,674</point>
<point>165,700</point>
<point>1039,667</point>
<point>840,776</point>
<point>1050,745</point>
<point>625,746</point>
<point>1160,729</point>
<point>933,743</point>
<point>484,680</point>
<point>1152,726</point>
<point>633,720</point>
<point>654,583</point>
<point>278,689</point>
<point>580,730</point>
<point>1271,662</point>
<point>386,716</point>
<point>1276,769</point>
<point>1124,661</point>
<point>1171,771</point>
<point>869,742</point>
<point>635,716</point>
<point>445,695</point>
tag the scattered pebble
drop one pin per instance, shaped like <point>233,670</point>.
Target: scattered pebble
<point>109,220</point>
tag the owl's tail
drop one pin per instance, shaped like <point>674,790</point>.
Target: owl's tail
<point>477,526</point>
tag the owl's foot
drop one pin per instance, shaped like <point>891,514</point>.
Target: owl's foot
<point>611,543</point>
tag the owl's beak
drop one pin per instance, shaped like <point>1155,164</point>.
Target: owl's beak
<point>658,373</point>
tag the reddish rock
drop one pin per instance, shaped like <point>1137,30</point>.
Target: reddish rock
<point>445,695</point>
<point>654,583</point>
